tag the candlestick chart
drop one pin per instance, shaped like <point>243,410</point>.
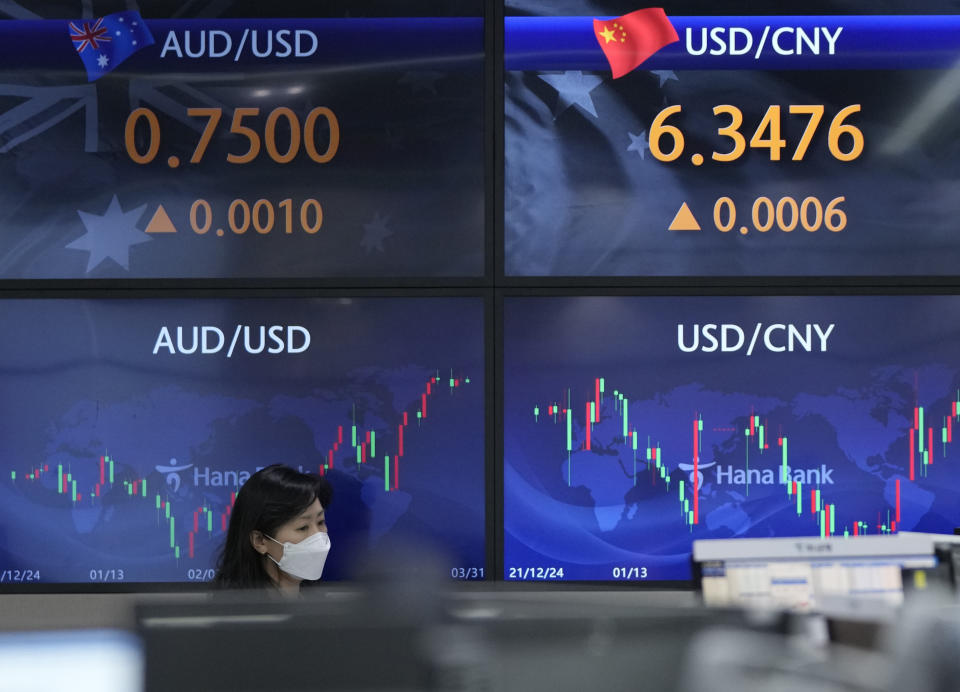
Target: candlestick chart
<point>629,447</point>
<point>132,475</point>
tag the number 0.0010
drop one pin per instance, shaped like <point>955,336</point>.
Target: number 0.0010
<point>262,216</point>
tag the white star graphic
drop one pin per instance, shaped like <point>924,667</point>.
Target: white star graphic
<point>375,232</point>
<point>573,88</point>
<point>638,143</point>
<point>110,236</point>
<point>665,75</point>
<point>103,60</point>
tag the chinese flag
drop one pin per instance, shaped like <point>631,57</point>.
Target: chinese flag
<point>629,40</point>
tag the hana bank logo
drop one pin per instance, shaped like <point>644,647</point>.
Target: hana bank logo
<point>205,477</point>
<point>172,473</point>
<point>629,40</point>
<point>700,467</point>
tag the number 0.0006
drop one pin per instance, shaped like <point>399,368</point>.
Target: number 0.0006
<point>786,214</point>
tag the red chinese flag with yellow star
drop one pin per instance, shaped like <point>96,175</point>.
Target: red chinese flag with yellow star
<point>629,40</point>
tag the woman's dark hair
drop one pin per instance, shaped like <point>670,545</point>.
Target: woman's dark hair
<point>270,498</point>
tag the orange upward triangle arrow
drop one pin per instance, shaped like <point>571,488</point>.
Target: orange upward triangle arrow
<point>684,220</point>
<point>161,223</point>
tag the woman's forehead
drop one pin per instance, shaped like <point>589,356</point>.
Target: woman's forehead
<point>313,510</point>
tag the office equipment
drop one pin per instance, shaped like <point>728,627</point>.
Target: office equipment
<point>80,661</point>
<point>637,424</point>
<point>130,425</point>
<point>834,576</point>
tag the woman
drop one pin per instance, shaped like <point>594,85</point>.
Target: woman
<point>278,532</point>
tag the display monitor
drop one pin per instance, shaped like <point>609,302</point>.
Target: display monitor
<point>129,425</point>
<point>426,639</point>
<point>634,425</point>
<point>230,638</point>
<point>833,575</point>
<point>768,139</point>
<point>85,661</point>
<point>216,139</point>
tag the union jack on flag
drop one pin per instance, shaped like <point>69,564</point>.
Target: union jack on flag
<point>88,36</point>
<point>37,109</point>
<point>103,44</point>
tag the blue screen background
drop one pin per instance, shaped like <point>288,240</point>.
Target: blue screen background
<point>80,380</point>
<point>846,412</point>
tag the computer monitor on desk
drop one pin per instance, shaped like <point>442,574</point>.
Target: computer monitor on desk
<point>81,661</point>
<point>476,639</point>
<point>254,643</point>
<point>809,574</point>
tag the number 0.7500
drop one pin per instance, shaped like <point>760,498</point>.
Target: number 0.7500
<point>269,140</point>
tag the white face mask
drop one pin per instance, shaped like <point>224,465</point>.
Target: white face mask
<point>304,560</point>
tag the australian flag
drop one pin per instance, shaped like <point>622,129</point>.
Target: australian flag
<point>104,43</point>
